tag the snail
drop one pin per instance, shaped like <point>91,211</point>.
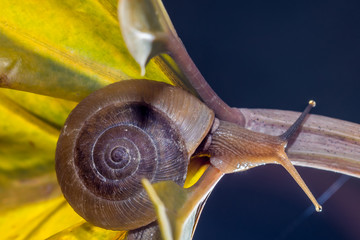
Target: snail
<point>137,129</point>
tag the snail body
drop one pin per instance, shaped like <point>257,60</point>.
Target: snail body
<point>139,129</point>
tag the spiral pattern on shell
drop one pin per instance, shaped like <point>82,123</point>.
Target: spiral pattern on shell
<point>116,137</point>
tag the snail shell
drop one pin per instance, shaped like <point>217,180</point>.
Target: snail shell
<point>119,135</point>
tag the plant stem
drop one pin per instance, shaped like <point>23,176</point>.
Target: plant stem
<point>207,94</point>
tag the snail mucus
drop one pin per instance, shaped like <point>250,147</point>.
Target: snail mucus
<point>137,129</point>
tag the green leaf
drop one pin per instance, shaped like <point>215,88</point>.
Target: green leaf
<point>67,49</point>
<point>178,209</point>
<point>146,28</point>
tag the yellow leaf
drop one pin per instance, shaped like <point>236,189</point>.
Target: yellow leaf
<point>63,49</point>
<point>87,231</point>
<point>52,111</point>
<point>38,220</point>
<point>68,49</point>
<point>27,146</point>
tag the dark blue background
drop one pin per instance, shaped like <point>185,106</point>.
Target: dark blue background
<point>261,54</point>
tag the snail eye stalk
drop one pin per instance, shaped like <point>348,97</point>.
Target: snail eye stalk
<point>286,163</point>
<point>234,149</point>
<point>290,132</point>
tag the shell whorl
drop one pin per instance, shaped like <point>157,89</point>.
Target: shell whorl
<point>120,134</point>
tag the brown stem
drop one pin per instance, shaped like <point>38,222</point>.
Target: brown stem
<point>207,94</point>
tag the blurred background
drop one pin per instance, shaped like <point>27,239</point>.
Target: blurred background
<point>261,54</point>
